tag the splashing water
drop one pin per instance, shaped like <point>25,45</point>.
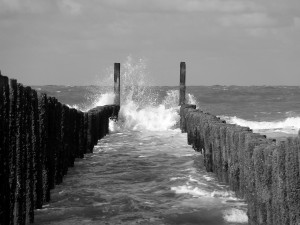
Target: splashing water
<point>105,99</point>
<point>142,109</point>
<point>148,118</point>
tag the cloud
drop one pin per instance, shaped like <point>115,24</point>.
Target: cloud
<point>25,6</point>
<point>9,5</point>
<point>39,6</point>
<point>182,5</point>
<point>120,28</point>
<point>297,22</point>
<point>214,6</point>
<point>70,7</point>
<point>247,20</point>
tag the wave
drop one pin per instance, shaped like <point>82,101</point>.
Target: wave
<point>141,106</point>
<point>290,125</point>
<point>98,100</point>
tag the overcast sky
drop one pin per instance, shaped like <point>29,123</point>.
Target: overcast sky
<point>241,42</point>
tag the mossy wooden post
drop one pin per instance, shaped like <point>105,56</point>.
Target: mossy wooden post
<point>117,83</point>
<point>51,148</point>
<point>44,172</point>
<point>12,145</point>
<point>86,121</point>
<point>29,165</point>
<point>65,137</point>
<point>72,150</point>
<point>81,134</point>
<point>52,143</point>
<point>182,83</point>
<point>4,153</point>
<point>35,150</point>
<point>20,158</point>
<point>59,149</point>
<point>282,189</point>
<point>292,179</point>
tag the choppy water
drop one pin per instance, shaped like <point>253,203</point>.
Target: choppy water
<point>144,172</point>
<point>142,178</point>
<point>266,109</point>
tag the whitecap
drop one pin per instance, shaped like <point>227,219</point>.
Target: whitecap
<point>289,125</point>
<point>187,189</point>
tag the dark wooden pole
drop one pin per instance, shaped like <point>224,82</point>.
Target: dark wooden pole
<point>4,151</point>
<point>182,83</point>
<point>117,83</point>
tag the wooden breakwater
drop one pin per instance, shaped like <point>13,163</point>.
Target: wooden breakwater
<point>39,139</point>
<point>261,170</point>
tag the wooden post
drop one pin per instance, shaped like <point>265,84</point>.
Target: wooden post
<point>4,150</point>
<point>117,83</point>
<point>182,83</point>
<point>12,146</point>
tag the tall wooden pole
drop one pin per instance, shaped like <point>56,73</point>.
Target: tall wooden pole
<point>182,83</point>
<point>117,83</point>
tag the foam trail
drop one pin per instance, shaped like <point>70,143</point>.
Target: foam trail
<point>289,125</point>
<point>235,216</point>
<point>194,191</point>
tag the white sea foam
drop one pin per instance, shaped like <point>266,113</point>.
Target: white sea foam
<point>223,194</point>
<point>149,118</point>
<point>73,106</point>
<point>289,125</point>
<point>198,192</point>
<point>208,178</point>
<point>176,178</point>
<point>187,189</point>
<point>141,109</point>
<point>235,216</point>
<point>104,99</point>
<point>98,100</point>
<point>191,179</point>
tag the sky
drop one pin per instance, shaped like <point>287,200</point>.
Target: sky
<point>223,42</point>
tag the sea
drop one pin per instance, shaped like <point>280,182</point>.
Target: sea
<point>144,172</point>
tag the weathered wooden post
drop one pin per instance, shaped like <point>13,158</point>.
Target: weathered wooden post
<point>35,149</point>
<point>43,172</point>
<point>182,83</point>
<point>12,145</point>
<point>117,83</point>
<point>4,150</point>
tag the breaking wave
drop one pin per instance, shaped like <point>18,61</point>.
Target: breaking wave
<point>290,125</point>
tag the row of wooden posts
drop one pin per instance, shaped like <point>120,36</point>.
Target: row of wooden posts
<point>263,171</point>
<point>39,139</point>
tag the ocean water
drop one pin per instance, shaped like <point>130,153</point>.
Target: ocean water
<point>272,110</point>
<point>144,172</point>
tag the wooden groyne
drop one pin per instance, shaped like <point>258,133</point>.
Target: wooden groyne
<point>39,139</point>
<point>261,170</point>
